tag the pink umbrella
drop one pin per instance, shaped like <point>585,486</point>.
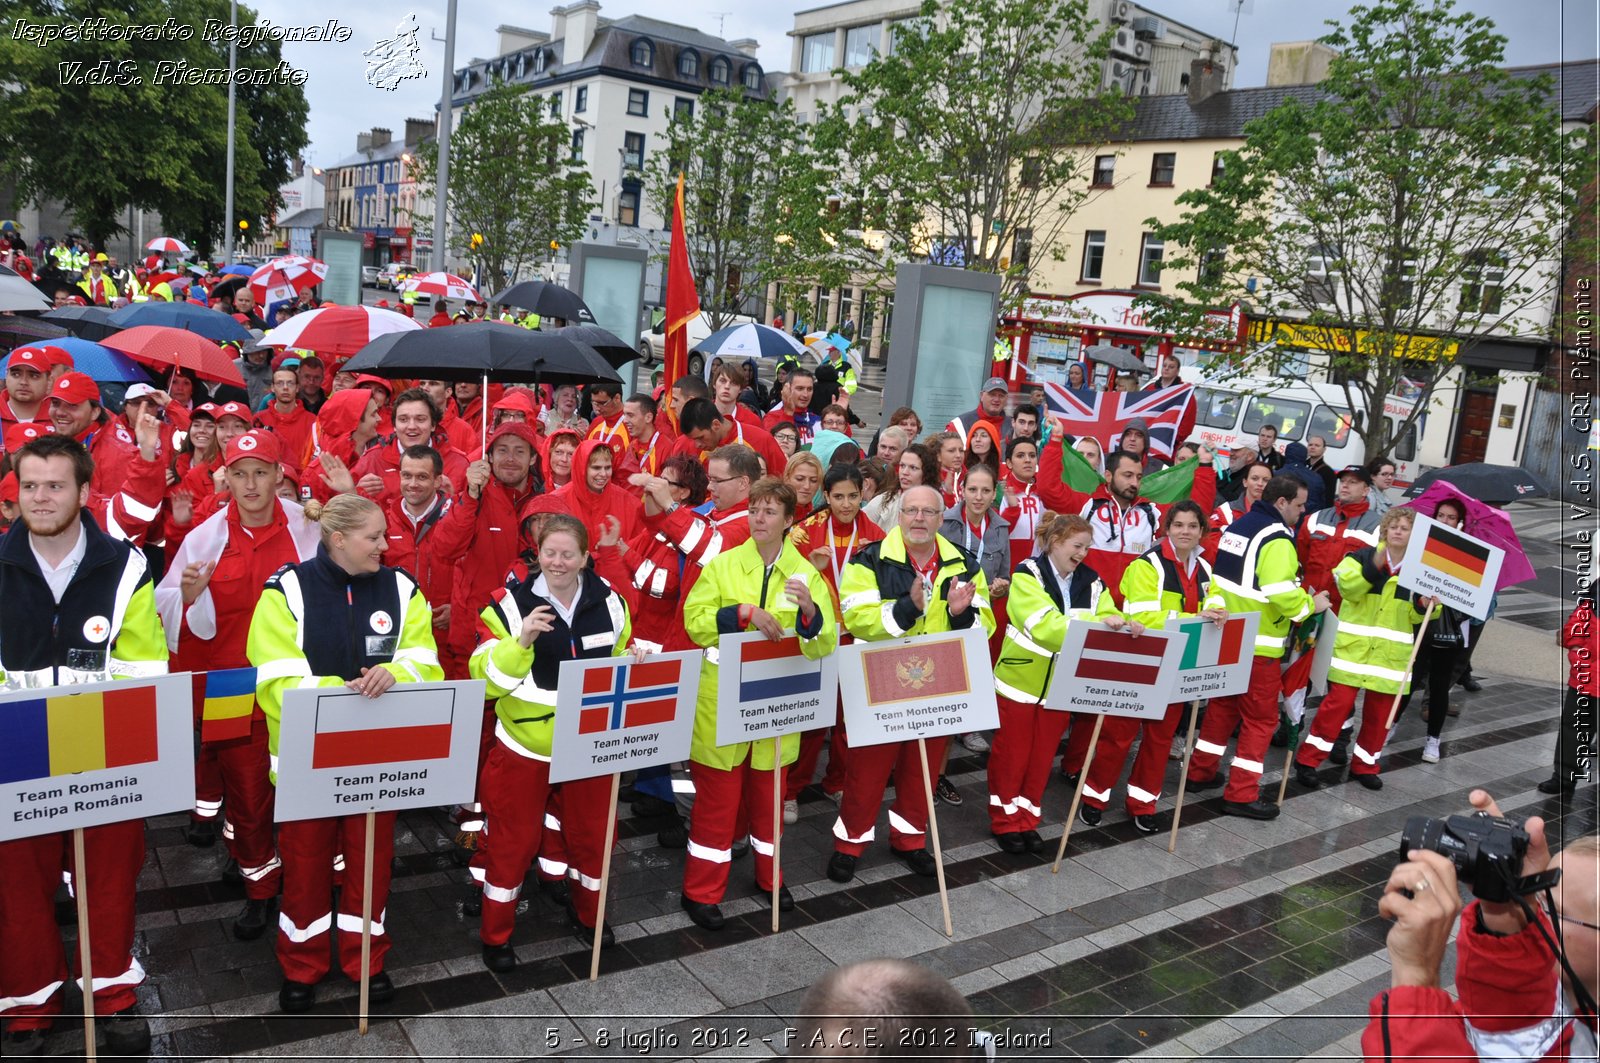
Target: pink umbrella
<point>1485,522</point>
<point>285,278</point>
<point>442,286</point>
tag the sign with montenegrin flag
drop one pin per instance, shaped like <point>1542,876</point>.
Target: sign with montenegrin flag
<point>94,753</point>
<point>1452,566</point>
<point>227,699</point>
<point>766,689</point>
<point>1114,673</point>
<point>918,687</point>
<point>414,745</point>
<point>1216,658</point>
<point>616,714</point>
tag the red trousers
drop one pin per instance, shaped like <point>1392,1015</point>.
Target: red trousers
<point>1082,726</point>
<point>308,848</point>
<point>554,862</point>
<point>33,961</point>
<point>804,769</point>
<point>728,804</point>
<point>454,664</point>
<point>1255,714</point>
<point>1020,756</point>
<point>247,824</point>
<point>866,776</point>
<point>1149,763</point>
<point>515,790</point>
<point>207,783</point>
<point>1331,715</point>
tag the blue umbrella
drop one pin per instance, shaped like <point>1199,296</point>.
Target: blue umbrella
<point>750,340</point>
<point>100,363</point>
<point>238,269</point>
<point>203,321</point>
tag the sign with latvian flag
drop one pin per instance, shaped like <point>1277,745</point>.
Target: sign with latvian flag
<point>414,745</point>
<point>1452,566</point>
<point>615,714</point>
<point>95,753</point>
<point>1216,658</point>
<point>766,689</point>
<point>1112,673</point>
<point>918,687</point>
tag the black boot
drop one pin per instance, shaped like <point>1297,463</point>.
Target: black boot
<point>201,833</point>
<point>127,1034</point>
<point>1340,754</point>
<point>1280,737</point>
<point>296,996</point>
<point>254,919</point>
<point>499,958</point>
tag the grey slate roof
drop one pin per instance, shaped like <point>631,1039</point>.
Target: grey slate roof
<point>303,219</point>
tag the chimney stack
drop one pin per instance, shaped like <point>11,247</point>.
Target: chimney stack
<point>1205,80</point>
<point>363,141</point>
<point>380,136</point>
<point>418,130</point>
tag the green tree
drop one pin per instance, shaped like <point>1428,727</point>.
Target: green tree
<point>512,180</point>
<point>1415,207</point>
<point>751,196</point>
<point>102,124</point>
<point>972,139</point>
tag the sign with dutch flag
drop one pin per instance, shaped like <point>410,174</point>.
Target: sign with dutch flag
<point>1216,658</point>
<point>766,689</point>
<point>1114,673</point>
<point>616,714</point>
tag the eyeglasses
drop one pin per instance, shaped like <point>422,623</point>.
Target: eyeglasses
<point>721,479</point>
<point>670,483</point>
<point>921,511</point>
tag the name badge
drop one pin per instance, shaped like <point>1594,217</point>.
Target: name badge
<point>594,642</point>
<point>381,645</point>
<point>87,660</point>
<point>1232,543</point>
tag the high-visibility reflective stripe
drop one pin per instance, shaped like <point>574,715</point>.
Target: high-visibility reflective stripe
<point>289,584</point>
<point>861,598</point>
<point>1363,756</point>
<point>551,822</point>
<point>1536,1041</point>
<point>1024,803</point>
<point>1008,807</point>
<point>132,976</point>
<point>1374,671</point>
<point>843,835</point>
<point>1253,766</point>
<point>762,848</point>
<point>900,825</point>
<point>30,1000</point>
<point>886,613</point>
<point>493,672</point>
<point>1005,689</point>
<point>1372,631</point>
<point>705,852</point>
<point>470,826</point>
<point>352,923</point>
<point>288,668</point>
<point>514,746</point>
<point>532,693</point>
<point>712,655</point>
<point>1237,589</point>
<point>1098,795</point>
<point>553,868</point>
<point>1143,795</point>
<point>1141,607</point>
<point>272,762</point>
<point>227,830</point>
<point>1016,635</point>
<point>491,892</point>
<point>288,929</point>
<point>692,537</point>
<point>1029,624</point>
<point>478,874</point>
<point>138,509</point>
<point>1202,746</point>
<point>338,861</point>
<point>207,808</point>
<point>1269,642</point>
<point>132,572</point>
<point>1318,743</point>
<point>256,874</point>
<point>980,602</point>
<point>590,884</point>
<point>417,655</point>
<point>1285,586</point>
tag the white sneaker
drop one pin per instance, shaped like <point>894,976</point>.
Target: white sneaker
<point>1430,751</point>
<point>975,742</point>
<point>791,810</point>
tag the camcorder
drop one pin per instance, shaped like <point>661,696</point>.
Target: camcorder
<point>1487,852</point>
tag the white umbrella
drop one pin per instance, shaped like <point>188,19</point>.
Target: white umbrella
<point>338,329</point>
<point>442,286</point>
<point>168,245</point>
<point>285,278</point>
<point>16,293</point>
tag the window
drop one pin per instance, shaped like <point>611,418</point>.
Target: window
<point>628,204</point>
<point>555,105</point>
<point>1032,171</point>
<point>1332,423</point>
<point>1217,163</point>
<point>639,102</point>
<point>580,100</point>
<point>1105,169</point>
<point>1216,409</point>
<point>1162,165</point>
<point>1094,255</point>
<point>689,63</point>
<point>1400,277</point>
<point>816,53</point>
<point>1483,278</point>
<point>1150,252</point>
<point>1288,415</point>
<point>1021,247</point>
<point>643,53</point>
<point>751,77</point>
<point>633,150</point>
<point>1212,264</point>
<point>577,145</point>
<point>1404,448</point>
<point>860,44</point>
<point>1322,273</point>
<point>721,70</point>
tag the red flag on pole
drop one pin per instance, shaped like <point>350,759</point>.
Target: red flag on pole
<point>683,302</point>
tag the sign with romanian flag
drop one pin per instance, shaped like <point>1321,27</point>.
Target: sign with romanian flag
<point>1452,566</point>
<point>1115,673</point>
<point>918,687</point>
<point>1216,658</point>
<point>94,753</point>
<point>414,745</point>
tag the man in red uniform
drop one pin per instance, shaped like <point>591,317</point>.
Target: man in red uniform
<point>427,534</point>
<point>704,428</point>
<point>461,435</point>
<point>650,441</point>
<point>441,315</point>
<point>610,423</point>
<point>286,416</point>
<point>27,386</point>
<point>416,422</point>
<point>129,477</point>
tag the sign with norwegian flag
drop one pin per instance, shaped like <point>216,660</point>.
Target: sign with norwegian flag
<point>1114,673</point>
<point>918,687</point>
<point>1216,658</point>
<point>1104,414</point>
<point>413,746</point>
<point>616,714</point>
<point>767,689</point>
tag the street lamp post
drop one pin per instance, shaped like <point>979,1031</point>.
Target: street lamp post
<point>233,65</point>
<point>441,190</point>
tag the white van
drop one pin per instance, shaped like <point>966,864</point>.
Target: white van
<point>1230,413</point>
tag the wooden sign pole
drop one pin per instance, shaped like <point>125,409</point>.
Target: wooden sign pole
<point>1183,776</point>
<point>366,920</point>
<point>777,826</point>
<point>605,878</point>
<point>80,893</point>
<point>933,833</point>
<point>1077,795</point>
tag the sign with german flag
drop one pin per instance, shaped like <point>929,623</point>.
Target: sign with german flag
<point>95,753</point>
<point>1452,566</point>
<point>1115,673</point>
<point>918,687</point>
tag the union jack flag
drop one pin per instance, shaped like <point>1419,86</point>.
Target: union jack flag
<point>1104,414</point>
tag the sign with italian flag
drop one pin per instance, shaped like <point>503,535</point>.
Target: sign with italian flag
<point>412,746</point>
<point>1216,658</point>
<point>1115,673</point>
<point>1452,566</point>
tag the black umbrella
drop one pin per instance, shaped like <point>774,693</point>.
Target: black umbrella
<point>202,321</point>
<point>546,300</point>
<point>19,329</point>
<point>85,322</point>
<point>1495,484</point>
<point>616,352</point>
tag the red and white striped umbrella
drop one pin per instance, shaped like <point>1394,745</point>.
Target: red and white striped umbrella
<point>441,286</point>
<point>168,244</point>
<point>338,330</point>
<point>285,278</point>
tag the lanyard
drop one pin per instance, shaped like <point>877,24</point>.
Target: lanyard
<point>833,552</point>
<point>966,537</point>
<point>766,574</point>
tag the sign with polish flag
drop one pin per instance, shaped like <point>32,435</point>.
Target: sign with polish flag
<point>616,714</point>
<point>1113,673</point>
<point>1216,658</point>
<point>414,745</point>
<point>767,689</point>
<point>924,686</point>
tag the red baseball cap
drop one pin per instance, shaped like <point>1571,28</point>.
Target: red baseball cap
<point>75,387</point>
<point>39,359</point>
<point>205,409</point>
<point>258,444</point>
<point>58,355</point>
<point>21,433</point>
<point>233,409</point>
<point>8,488</point>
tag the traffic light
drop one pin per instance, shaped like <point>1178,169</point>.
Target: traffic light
<point>244,226</point>
<point>477,241</point>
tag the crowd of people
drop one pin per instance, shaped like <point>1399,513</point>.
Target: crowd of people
<point>256,527</point>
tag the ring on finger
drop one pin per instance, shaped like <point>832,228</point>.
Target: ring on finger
<point>1421,885</point>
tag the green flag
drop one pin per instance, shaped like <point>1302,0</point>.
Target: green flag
<point>1172,484</point>
<point>1077,473</point>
